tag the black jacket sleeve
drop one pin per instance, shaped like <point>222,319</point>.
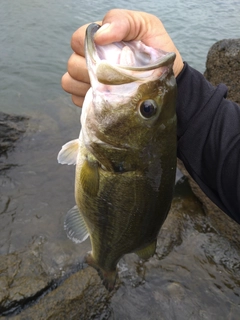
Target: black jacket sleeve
<point>209,139</point>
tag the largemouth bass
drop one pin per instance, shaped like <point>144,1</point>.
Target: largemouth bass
<point>125,155</point>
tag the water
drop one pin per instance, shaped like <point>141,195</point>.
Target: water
<point>35,37</point>
<point>34,49</point>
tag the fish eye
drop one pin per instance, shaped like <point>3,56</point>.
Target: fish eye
<point>147,108</point>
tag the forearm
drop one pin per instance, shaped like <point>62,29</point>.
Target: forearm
<point>209,139</point>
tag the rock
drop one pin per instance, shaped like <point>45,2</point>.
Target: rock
<point>12,128</point>
<point>23,279</point>
<point>179,279</point>
<point>221,222</point>
<point>223,66</point>
<point>81,296</point>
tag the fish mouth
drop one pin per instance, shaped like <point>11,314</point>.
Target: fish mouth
<point>90,46</point>
<point>125,58</point>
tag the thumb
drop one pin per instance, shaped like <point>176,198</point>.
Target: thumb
<point>120,25</point>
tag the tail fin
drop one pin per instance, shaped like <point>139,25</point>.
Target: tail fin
<point>108,277</point>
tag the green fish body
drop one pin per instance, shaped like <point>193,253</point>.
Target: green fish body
<point>125,155</point>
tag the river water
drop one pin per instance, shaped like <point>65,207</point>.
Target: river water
<point>35,37</point>
<point>34,49</point>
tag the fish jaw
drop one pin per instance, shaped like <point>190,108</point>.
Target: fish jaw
<point>123,63</point>
<point>132,57</point>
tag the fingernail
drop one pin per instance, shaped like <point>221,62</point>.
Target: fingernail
<point>102,29</point>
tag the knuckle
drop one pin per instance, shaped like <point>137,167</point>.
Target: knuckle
<point>64,81</point>
<point>71,66</point>
<point>78,101</point>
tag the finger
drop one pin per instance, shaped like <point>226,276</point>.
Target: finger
<point>128,25</point>
<point>77,68</point>
<point>78,101</point>
<point>73,86</point>
<point>117,26</point>
<point>77,41</point>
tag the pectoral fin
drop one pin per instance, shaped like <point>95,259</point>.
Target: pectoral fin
<point>69,152</point>
<point>89,177</point>
<point>147,252</point>
<point>75,226</point>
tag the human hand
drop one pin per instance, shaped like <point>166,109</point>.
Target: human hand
<point>117,25</point>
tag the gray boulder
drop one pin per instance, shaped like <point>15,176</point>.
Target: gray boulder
<point>223,66</point>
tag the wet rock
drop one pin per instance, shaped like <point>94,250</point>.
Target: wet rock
<point>12,128</point>
<point>192,274</point>
<point>223,66</point>
<point>23,279</point>
<point>81,296</point>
